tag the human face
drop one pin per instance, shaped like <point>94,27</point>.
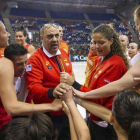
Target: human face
<point>92,48</point>
<point>137,23</point>
<point>20,38</point>
<point>132,49</point>
<point>4,36</point>
<point>60,32</point>
<point>102,45</point>
<point>124,42</point>
<point>50,39</point>
<point>19,63</point>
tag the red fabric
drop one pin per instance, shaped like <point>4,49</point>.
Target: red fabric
<point>27,46</point>
<point>111,70</point>
<point>91,63</point>
<point>4,117</point>
<point>45,75</point>
<point>64,46</point>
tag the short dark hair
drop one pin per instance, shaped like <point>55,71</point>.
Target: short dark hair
<point>126,110</point>
<point>37,127</point>
<point>21,29</point>
<point>14,50</point>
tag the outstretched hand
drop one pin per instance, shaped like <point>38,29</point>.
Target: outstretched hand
<point>68,96</point>
<point>78,93</point>
<point>60,90</point>
<point>137,79</point>
<point>65,108</point>
<point>56,105</point>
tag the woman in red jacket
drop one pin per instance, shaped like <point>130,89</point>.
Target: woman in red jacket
<point>111,67</point>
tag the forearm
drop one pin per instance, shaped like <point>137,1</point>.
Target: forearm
<point>40,93</point>
<point>79,123</point>
<point>97,110</point>
<point>112,88</point>
<point>20,108</point>
<point>72,129</point>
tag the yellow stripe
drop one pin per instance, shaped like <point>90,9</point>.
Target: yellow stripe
<point>62,64</point>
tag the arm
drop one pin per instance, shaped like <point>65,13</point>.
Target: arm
<point>97,110</point>
<point>31,49</point>
<point>8,95</point>
<point>79,124</point>
<point>126,82</point>
<point>72,128</point>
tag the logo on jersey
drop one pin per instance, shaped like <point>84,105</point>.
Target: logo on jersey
<point>49,67</point>
<point>65,59</point>
<point>47,62</point>
<point>67,64</point>
<point>29,67</point>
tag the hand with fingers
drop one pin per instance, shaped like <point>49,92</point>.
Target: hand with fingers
<point>68,96</point>
<point>78,93</point>
<point>65,108</point>
<point>137,79</point>
<point>56,105</point>
<point>66,78</point>
<point>60,90</point>
<point>137,87</point>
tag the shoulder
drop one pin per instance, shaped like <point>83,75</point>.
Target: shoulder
<point>135,59</point>
<point>36,54</point>
<point>64,42</point>
<point>6,65</point>
<point>31,47</point>
<point>116,61</point>
<point>63,51</point>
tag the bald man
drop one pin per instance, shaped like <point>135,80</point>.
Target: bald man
<point>8,99</point>
<point>124,42</point>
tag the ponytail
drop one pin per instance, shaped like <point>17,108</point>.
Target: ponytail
<point>133,133</point>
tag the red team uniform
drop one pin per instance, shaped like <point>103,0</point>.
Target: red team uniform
<point>108,70</point>
<point>91,63</point>
<point>4,117</point>
<point>43,75</point>
<point>64,46</point>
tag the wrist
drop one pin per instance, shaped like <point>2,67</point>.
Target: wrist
<point>69,102</point>
<point>71,82</point>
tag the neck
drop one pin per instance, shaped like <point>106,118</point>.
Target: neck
<point>122,137</point>
<point>120,133</point>
<point>24,44</point>
<point>125,51</point>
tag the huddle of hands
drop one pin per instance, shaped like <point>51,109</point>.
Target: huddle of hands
<point>64,93</point>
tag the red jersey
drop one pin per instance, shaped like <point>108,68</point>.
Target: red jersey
<point>43,75</point>
<point>27,46</point>
<point>4,117</point>
<point>106,71</point>
<point>2,51</point>
<point>64,46</point>
<point>91,63</point>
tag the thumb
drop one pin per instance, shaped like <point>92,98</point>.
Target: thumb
<point>62,72</point>
<point>136,78</point>
<point>63,104</point>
